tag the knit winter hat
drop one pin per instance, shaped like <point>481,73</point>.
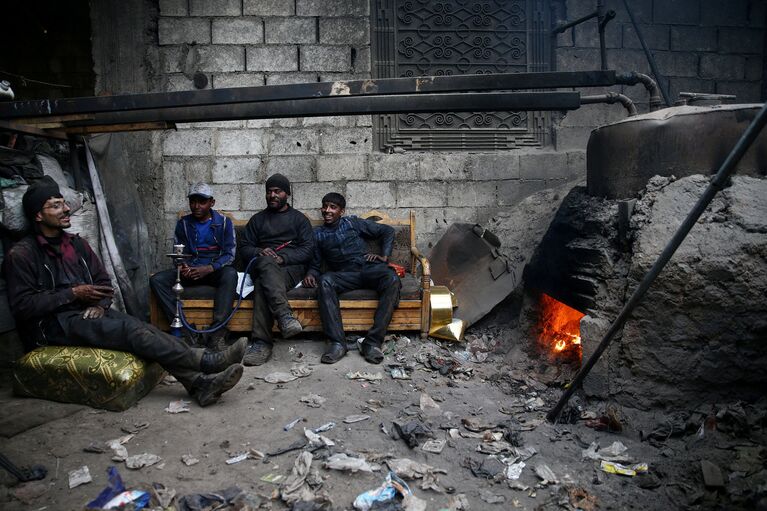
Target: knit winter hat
<point>278,181</point>
<point>38,194</point>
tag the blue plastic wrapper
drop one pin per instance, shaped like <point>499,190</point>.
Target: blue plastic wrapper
<point>391,488</point>
<point>115,495</point>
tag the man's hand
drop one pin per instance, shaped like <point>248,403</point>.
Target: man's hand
<point>93,312</point>
<point>375,257</point>
<point>92,294</point>
<point>196,272</point>
<point>271,253</point>
<point>310,281</point>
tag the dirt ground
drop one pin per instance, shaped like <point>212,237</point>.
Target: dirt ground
<point>506,389</point>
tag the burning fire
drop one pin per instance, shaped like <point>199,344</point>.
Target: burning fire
<point>560,329</point>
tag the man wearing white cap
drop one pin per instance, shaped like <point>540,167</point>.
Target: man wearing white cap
<point>209,237</point>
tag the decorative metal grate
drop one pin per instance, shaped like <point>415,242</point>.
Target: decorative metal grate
<point>446,37</point>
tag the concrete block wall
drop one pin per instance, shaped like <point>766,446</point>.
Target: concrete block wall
<point>264,42</point>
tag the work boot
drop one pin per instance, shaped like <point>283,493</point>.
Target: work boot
<point>217,361</point>
<point>209,387</point>
<point>333,353</point>
<point>289,325</point>
<point>192,339</point>
<point>217,340</point>
<point>258,353</point>
<point>371,352</point>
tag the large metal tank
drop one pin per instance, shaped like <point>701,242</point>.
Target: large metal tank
<point>679,141</point>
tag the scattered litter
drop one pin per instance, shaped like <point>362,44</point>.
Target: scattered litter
<point>489,468</point>
<point>298,444</point>
<point>290,425</point>
<point>428,405</point>
<point>514,470</point>
<point>325,427</point>
<point>313,400</point>
<point>316,440</point>
<point>278,377</point>
<point>609,422</point>
<point>96,448</point>
<point>581,499</point>
<point>295,488</point>
<point>136,498</point>
<point>135,429</point>
<point>272,478</point>
<point>179,406</point>
<point>435,446</point>
<point>524,453</point>
<point>142,460</point>
<point>399,373</point>
<point>119,450</point>
<point>164,496</point>
<point>546,475</point>
<point>213,500</point>
<point>534,403</point>
<point>348,464</point>
<point>301,370</point>
<point>115,487</point>
<point>712,475</point>
<point>360,375</point>
<point>27,492</point>
<point>495,447</point>
<point>79,476</point>
<point>615,452</point>
<point>491,498</point>
<point>389,491</point>
<point>189,460</point>
<point>412,432</point>
<point>616,468</point>
<point>409,469</point>
<point>475,425</point>
<point>351,419</point>
<point>236,459</point>
<point>458,502</point>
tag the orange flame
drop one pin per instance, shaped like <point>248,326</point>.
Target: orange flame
<point>559,325</point>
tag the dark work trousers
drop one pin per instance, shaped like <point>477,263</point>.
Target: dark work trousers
<point>376,276</point>
<point>270,295</point>
<point>224,280</point>
<point>121,332</point>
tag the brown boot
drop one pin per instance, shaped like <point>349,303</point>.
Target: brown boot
<point>218,340</point>
<point>216,361</point>
<point>207,389</point>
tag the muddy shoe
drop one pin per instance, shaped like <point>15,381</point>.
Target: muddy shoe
<point>289,325</point>
<point>209,387</point>
<point>218,340</point>
<point>258,353</point>
<point>216,361</point>
<point>371,353</point>
<point>335,352</point>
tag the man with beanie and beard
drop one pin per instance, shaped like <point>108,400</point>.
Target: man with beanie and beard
<point>279,238</point>
<point>60,294</point>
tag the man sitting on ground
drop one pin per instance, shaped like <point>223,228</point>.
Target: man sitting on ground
<point>340,245</point>
<point>208,236</point>
<point>60,294</point>
<point>280,240</point>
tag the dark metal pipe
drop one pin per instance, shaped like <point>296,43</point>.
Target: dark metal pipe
<point>651,85</point>
<point>603,18</point>
<point>649,55</point>
<point>717,183</point>
<point>561,28</point>
<point>611,98</point>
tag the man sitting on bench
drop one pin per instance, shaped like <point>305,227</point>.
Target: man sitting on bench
<point>60,294</point>
<point>340,245</point>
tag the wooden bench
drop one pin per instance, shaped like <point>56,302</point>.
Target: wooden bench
<point>357,307</point>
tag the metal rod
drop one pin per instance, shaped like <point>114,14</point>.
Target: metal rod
<point>611,98</point>
<point>561,28</point>
<point>717,183</point>
<point>375,87</point>
<point>658,77</point>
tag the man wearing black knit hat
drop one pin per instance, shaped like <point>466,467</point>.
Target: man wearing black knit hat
<point>279,241</point>
<point>60,294</point>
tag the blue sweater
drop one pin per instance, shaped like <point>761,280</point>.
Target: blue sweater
<point>223,234</point>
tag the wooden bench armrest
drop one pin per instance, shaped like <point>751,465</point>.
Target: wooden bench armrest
<point>425,267</point>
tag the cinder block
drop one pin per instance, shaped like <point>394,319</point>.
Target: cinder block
<point>269,7</point>
<point>221,58</point>
<point>227,197</point>
<point>346,140</point>
<point>676,12</point>
<point>335,77</point>
<point>693,39</point>
<point>641,9</point>
<point>547,165</point>
<point>241,142</point>
<point>576,164</point>
<point>212,125</point>
<point>677,63</point>
<point>577,59</point>
<point>714,13</point>
<point>368,194</point>
<point>325,58</point>
<point>238,31</point>
<point>741,40</point>
<point>655,36</point>
<point>174,7</point>
<point>754,68</point>
<point>174,197</point>
<point>272,58</point>
<point>586,35</point>
<point>252,198</point>
<point>294,141</point>
<point>421,194</point>
<point>471,194</point>
<point>363,121</point>
<point>746,92</point>
<point>492,166</point>
<point>227,80</point>
<point>351,31</point>
<point>215,7</point>
<point>188,143</point>
<point>269,123</point>
<point>569,138</point>
<point>361,61</point>
<point>308,196</point>
<point>183,30</point>
<point>288,78</point>
<point>341,167</point>
<point>238,170</point>
<point>290,30</point>
<point>512,192</point>
<point>445,167</point>
<point>197,170</point>
<point>338,121</point>
<point>628,60</point>
<point>722,67</point>
<point>177,82</point>
<point>396,167</point>
<point>171,59</point>
<point>332,7</point>
<point>298,169</point>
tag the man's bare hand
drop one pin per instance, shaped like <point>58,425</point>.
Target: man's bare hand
<point>271,253</point>
<point>197,272</point>
<point>92,294</point>
<point>93,312</point>
<point>375,257</point>
<point>310,281</point>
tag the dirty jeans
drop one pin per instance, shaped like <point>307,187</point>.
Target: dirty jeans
<point>121,332</point>
<point>376,276</point>
<point>270,295</point>
<point>224,280</point>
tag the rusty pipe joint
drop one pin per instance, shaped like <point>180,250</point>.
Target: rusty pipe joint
<point>633,78</point>
<point>611,98</point>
